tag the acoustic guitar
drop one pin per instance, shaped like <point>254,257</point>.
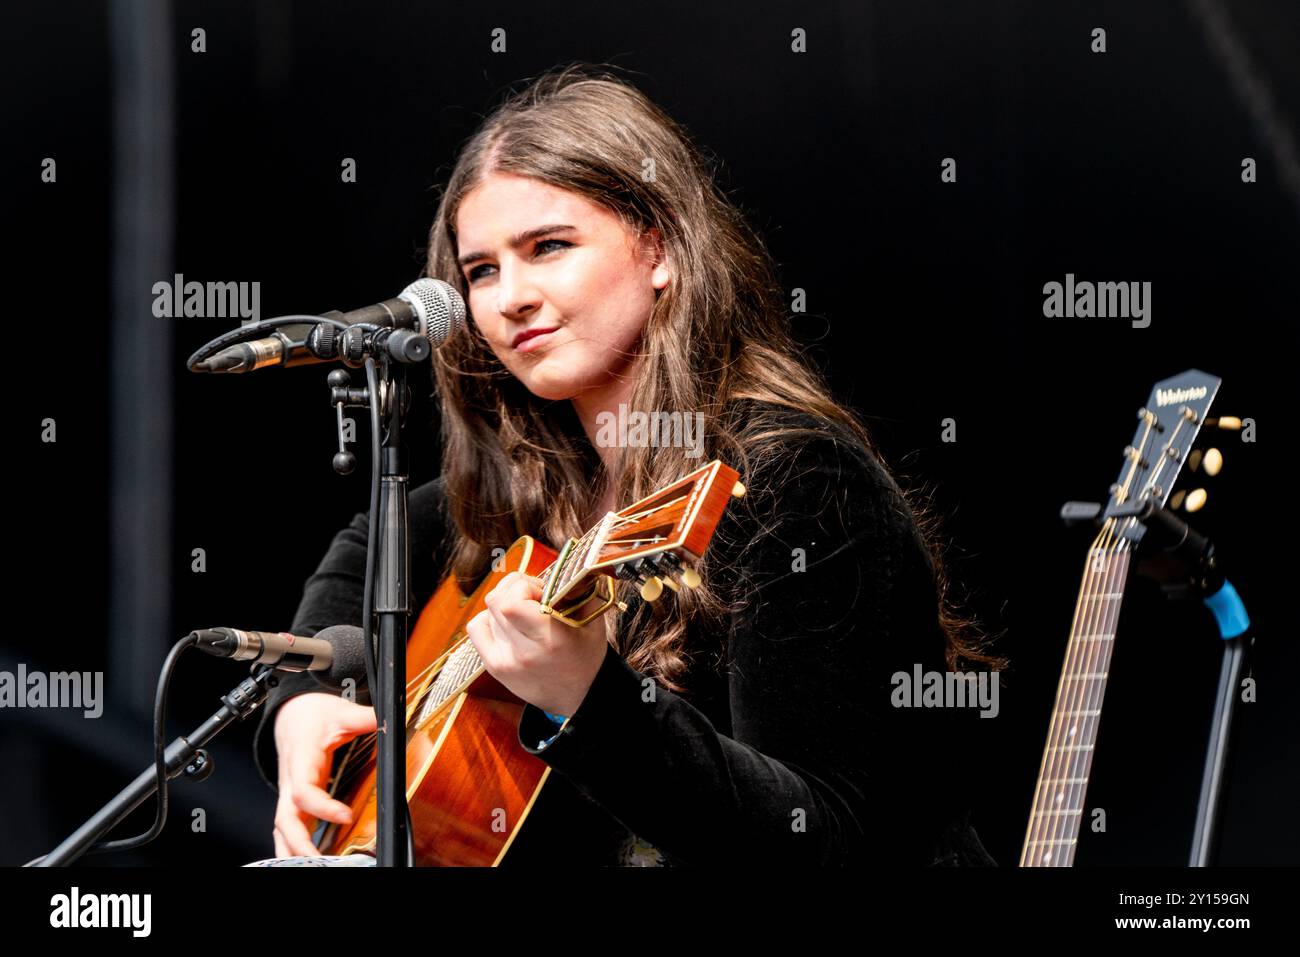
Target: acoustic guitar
<point>470,786</point>
<point>1167,428</point>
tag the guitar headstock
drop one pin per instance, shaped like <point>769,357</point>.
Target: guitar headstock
<point>655,541</point>
<point>1166,431</point>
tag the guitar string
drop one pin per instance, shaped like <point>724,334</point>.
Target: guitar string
<point>369,742</point>
<point>1058,766</point>
<point>358,756</point>
<point>416,707</point>
<point>1046,769</point>
<point>1096,654</point>
<point>363,744</point>
<point>1044,826</point>
<point>344,780</point>
<point>1078,779</point>
<point>1099,643</point>
<point>360,748</point>
<point>1096,693</point>
<point>1051,770</point>
<point>1084,671</point>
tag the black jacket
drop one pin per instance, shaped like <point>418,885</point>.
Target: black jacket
<point>786,747</point>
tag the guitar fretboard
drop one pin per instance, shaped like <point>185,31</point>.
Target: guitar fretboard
<point>1067,759</point>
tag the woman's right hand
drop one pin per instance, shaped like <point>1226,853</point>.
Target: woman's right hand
<point>308,729</point>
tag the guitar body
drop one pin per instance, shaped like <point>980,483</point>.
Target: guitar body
<point>470,785</point>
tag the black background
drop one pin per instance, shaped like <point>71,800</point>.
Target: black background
<point>924,303</point>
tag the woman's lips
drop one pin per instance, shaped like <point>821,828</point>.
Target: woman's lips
<point>533,341</point>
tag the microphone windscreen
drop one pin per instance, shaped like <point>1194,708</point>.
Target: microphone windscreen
<point>439,306</point>
<point>349,657</point>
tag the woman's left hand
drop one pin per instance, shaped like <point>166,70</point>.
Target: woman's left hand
<point>543,661</point>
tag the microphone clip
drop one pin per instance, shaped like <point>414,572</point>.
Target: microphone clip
<point>352,345</point>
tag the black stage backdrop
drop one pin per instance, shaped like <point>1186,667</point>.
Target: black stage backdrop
<point>924,301</point>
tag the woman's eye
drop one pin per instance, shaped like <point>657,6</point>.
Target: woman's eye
<point>475,273</point>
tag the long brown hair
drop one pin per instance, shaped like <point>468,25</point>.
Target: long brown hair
<point>514,464</point>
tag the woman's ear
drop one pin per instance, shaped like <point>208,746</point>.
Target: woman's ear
<point>656,255</point>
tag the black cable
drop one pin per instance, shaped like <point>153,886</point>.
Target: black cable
<point>372,540</point>
<point>159,749</point>
<point>410,835</point>
<point>159,759</point>
<point>164,680</point>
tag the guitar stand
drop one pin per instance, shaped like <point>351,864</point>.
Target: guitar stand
<point>1183,562</point>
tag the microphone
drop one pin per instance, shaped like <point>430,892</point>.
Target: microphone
<point>430,307</point>
<point>349,661</point>
<point>333,653</point>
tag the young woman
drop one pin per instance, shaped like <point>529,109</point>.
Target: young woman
<point>603,268</point>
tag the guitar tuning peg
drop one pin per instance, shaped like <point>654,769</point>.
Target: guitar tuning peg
<point>689,576</point>
<point>1195,500</point>
<point>1230,422</point>
<point>1149,417</point>
<point>671,584</point>
<point>652,589</point>
<point>1212,461</point>
<point>738,490</point>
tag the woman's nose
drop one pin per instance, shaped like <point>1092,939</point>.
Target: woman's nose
<point>517,294</point>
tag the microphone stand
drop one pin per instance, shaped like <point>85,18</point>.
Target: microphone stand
<point>392,609</point>
<point>386,395</point>
<point>183,756</point>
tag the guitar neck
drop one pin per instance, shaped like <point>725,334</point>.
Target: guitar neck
<point>1166,430</point>
<point>1057,812</point>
